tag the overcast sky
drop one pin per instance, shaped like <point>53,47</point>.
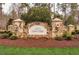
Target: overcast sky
<point>6,8</point>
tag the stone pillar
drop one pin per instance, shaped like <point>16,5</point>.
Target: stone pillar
<point>71,28</point>
<point>57,27</point>
<point>77,27</point>
<point>17,28</point>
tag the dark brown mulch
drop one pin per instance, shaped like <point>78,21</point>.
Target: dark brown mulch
<point>41,43</point>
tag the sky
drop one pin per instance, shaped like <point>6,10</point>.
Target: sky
<point>6,8</point>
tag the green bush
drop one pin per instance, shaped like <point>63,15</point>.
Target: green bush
<point>7,32</point>
<point>59,38</point>
<point>73,33</point>
<point>29,37</point>
<point>4,35</point>
<point>77,31</point>
<point>7,35</point>
<point>38,14</point>
<point>67,36</point>
<point>13,37</point>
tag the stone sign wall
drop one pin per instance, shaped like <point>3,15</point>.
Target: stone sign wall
<point>17,28</point>
<point>57,27</point>
<point>39,29</point>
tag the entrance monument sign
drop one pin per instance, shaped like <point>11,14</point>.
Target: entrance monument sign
<point>37,30</point>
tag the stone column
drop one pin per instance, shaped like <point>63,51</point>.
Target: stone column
<point>71,28</point>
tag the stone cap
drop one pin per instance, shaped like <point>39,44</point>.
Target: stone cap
<point>70,25</point>
<point>16,20</point>
<point>57,19</point>
<point>37,23</point>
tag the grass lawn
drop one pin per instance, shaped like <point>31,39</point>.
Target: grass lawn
<point>38,51</point>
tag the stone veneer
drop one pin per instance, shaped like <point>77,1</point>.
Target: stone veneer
<point>21,30</point>
<point>41,24</point>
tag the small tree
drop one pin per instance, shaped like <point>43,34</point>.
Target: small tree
<point>9,22</point>
<point>41,14</point>
<point>56,15</point>
<point>70,20</point>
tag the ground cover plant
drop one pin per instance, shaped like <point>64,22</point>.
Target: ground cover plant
<point>7,35</point>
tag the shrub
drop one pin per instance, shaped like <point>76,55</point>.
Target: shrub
<point>13,37</point>
<point>41,14</point>
<point>77,31</point>
<point>67,36</point>
<point>59,38</point>
<point>73,33</point>
<point>4,35</point>
<point>9,33</point>
<point>29,37</point>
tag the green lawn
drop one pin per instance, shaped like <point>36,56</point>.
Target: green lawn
<point>38,51</point>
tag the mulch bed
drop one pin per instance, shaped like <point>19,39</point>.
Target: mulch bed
<point>41,43</point>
